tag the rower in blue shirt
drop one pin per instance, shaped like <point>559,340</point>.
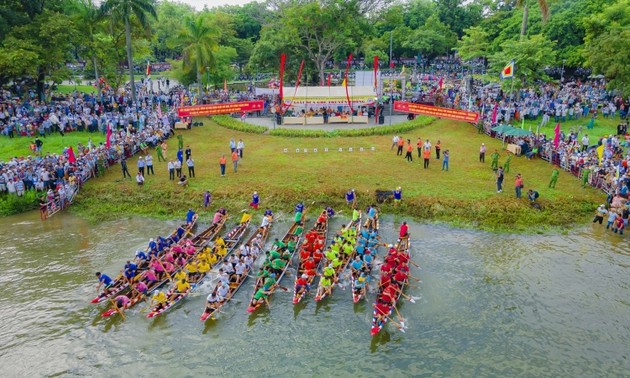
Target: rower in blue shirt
<point>190,216</point>
<point>161,243</point>
<point>330,212</point>
<point>268,213</point>
<point>105,281</point>
<point>152,245</point>
<point>130,270</point>
<point>141,256</point>
<point>299,208</point>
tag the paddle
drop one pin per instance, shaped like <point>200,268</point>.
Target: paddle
<point>402,320</point>
<point>118,310</point>
<point>165,271</point>
<point>409,298</point>
<point>401,327</point>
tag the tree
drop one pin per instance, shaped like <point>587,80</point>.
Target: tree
<point>474,44</point>
<point>530,54</point>
<point>608,43</point>
<point>198,39</point>
<point>432,39</point>
<point>544,9</point>
<point>87,17</point>
<point>171,17</point>
<point>125,10</point>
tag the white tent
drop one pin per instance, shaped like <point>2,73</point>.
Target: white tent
<point>329,96</point>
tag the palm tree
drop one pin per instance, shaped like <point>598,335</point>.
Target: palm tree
<point>125,9</point>
<point>199,40</point>
<point>544,9</point>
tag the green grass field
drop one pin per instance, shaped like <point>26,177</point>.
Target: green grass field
<point>465,195</point>
<point>67,89</point>
<point>55,143</point>
<point>603,126</point>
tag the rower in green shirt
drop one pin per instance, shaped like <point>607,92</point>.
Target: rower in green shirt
<point>291,245</point>
<point>356,214</point>
<point>329,271</point>
<point>279,244</point>
<point>336,263</point>
<point>269,282</point>
<point>348,249</point>
<point>298,217</point>
<point>278,264</point>
<point>330,254</point>
<point>299,229</point>
<point>274,254</point>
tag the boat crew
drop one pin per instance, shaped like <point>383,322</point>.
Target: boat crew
<point>278,265</point>
<point>228,268</point>
<point>129,271</point>
<point>368,259</point>
<point>325,286</point>
<point>357,266</point>
<point>150,277</point>
<point>193,270</point>
<point>203,268</point>
<point>259,297</point>
<point>159,298</point>
<point>404,230</point>
<point>299,208</point>
<point>321,219</point>
<point>152,245</point>
<point>105,281</point>
<point>233,260</point>
<point>266,221</point>
<point>240,269</point>
<point>140,257</point>
<point>224,277</point>
<point>141,288</point>
<point>249,261</point>
<point>317,256</point>
<point>360,285</point>
<point>182,286</point>
<point>222,291</point>
<point>217,217</point>
<point>382,310</point>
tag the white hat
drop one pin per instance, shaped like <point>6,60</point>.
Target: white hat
<point>304,275</point>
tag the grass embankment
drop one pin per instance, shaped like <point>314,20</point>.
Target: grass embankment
<point>602,126</point>
<point>465,196</point>
<point>80,88</point>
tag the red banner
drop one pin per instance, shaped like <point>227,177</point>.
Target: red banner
<point>346,81</point>
<point>225,108</point>
<point>436,111</point>
<point>283,59</point>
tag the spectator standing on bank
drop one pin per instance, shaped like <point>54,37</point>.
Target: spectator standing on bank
<point>148,160</point>
<point>482,153</point>
<point>232,145</point>
<point>222,163</point>
<point>171,170</point>
<point>506,166</point>
<point>160,154</point>
<point>140,178</point>
<point>188,152</point>
<point>438,148</point>
<point>180,156</point>
<point>141,165</point>
<point>554,177</point>
<point>207,199</point>
<point>234,160</point>
<point>426,155</point>
<point>239,148</point>
<point>419,144</point>
<point>191,167</point>
<point>401,144</point>
<point>495,160</point>
<point>178,168</point>
<point>123,166</point>
<point>518,185</point>
<point>600,213</point>
<point>499,175</point>
<point>394,142</point>
<point>409,151</point>
<point>445,158</point>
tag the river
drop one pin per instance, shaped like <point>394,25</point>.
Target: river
<point>488,305</point>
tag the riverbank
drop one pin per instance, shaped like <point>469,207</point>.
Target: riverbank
<point>465,195</point>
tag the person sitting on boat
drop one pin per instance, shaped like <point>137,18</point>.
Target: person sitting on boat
<point>332,252</point>
<point>368,259</point>
<point>150,277</point>
<point>193,270</point>
<point>190,217</point>
<point>360,285</point>
<point>323,217</point>
<point>240,269</point>
<point>152,245</point>
<point>222,291</point>
<point>301,285</point>
<point>309,264</point>
<point>217,217</point>
<point>299,229</point>
<point>381,310</point>
<point>360,249</point>
<point>141,257</point>
<point>203,267</point>
<point>330,212</point>
<point>268,213</point>
<point>180,261</point>
<point>233,260</point>
<point>223,277</point>
<point>357,266</point>
<point>325,286</point>
<point>336,263</point>
<point>244,250</point>
<point>400,278</point>
<point>390,293</point>
<point>129,271</point>
<point>299,207</point>
<point>220,250</point>
<point>211,302</point>
<point>212,259</point>
<point>248,261</point>
<point>304,254</point>
<point>190,250</point>
<point>228,268</point>
<point>162,244</point>
<point>356,215</point>
<point>292,243</point>
<point>105,281</point>
<point>259,297</point>
<point>141,288</point>
<point>159,299</point>
<point>348,248</point>
<point>317,255</point>
<point>182,286</point>
<point>156,265</point>
<point>278,265</point>
<point>180,275</point>
<point>121,302</point>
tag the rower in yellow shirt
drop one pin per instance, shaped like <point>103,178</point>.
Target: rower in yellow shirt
<point>221,251</point>
<point>219,242</point>
<point>192,269</point>
<point>179,275</point>
<point>159,298</point>
<point>212,259</point>
<point>203,267</point>
<point>182,286</point>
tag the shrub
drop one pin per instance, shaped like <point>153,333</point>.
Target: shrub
<point>377,130</point>
<point>234,124</point>
<point>12,204</point>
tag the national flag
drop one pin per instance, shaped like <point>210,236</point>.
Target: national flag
<point>71,158</point>
<point>495,112</point>
<point>329,79</point>
<point>508,71</point>
<point>391,63</point>
<point>441,83</point>
<point>375,71</point>
<point>148,69</point>
<point>283,59</point>
<point>556,137</point>
<point>344,83</point>
<point>523,123</point>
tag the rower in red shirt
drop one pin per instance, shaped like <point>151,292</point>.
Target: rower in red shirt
<point>310,237</point>
<point>384,281</point>
<point>309,264</point>
<point>317,255</point>
<point>400,277</point>
<point>304,254</point>
<point>382,310</point>
<point>386,268</point>
<point>389,294</point>
<point>404,230</point>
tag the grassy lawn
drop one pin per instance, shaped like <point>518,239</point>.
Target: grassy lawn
<point>55,143</point>
<point>603,126</point>
<point>465,195</point>
<point>68,89</point>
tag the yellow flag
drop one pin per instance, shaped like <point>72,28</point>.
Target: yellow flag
<point>403,70</point>
<point>600,154</point>
<point>344,83</point>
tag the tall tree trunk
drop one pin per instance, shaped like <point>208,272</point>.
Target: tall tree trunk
<point>322,76</point>
<point>95,71</point>
<point>199,83</point>
<point>41,78</point>
<point>525,17</point>
<point>130,60</point>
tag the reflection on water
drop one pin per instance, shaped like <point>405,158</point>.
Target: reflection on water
<point>488,305</point>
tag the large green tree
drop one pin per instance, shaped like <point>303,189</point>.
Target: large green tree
<point>125,10</point>
<point>544,9</point>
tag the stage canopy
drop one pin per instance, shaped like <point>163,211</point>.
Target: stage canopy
<point>324,96</point>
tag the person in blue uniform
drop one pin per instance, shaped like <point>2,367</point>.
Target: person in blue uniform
<point>397,196</point>
<point>190,216</point>
<point>255,201</point>
<point>350,197</point>
<point>105,281</point>
<point>299,208</point>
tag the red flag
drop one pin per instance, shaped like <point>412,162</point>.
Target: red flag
<point>297,84</point>
<point>391,63</point>
<point>346,81</point>
<point>556,137</point>
<point>73,159</point>
<point>283,59</point>
<point>108,138</point>
<point>329,78</point>
<point>148,69</point>
<point>375,71</point>
<point>441,83</point>
<point>494,112</point>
